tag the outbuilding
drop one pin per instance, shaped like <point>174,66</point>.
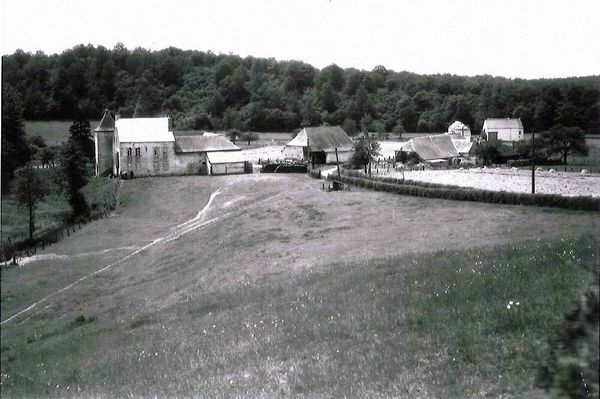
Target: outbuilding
<point>318,145</point>
<point>503,129</point>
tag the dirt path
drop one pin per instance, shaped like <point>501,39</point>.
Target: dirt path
<point>176,232</point>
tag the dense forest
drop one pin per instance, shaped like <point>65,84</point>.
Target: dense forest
<point>202,90</point>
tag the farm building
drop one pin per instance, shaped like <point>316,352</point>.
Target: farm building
<point>318,144</point>
<point>437,150</point>
<point>459,129</point>
<point>149,147</point>
<point>503,129</point>
<point>194,150</point>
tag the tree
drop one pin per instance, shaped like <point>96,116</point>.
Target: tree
<point>233,135</point>
<point>15,151</point>
<point>488,152</point>
<point>47,156</point>
<point>72,175</point>
<point>29,189</point>
<point>365,151</point>
<point>565,141</point>
<point>249,136</point>
<point>82,137</point>
<point>232,119</point>
<point>36,145</point>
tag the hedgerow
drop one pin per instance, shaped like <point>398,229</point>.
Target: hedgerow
<point>440,191</point>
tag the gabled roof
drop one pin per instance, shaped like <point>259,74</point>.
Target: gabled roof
<point>458,128</point>
<point>107,124</point>
<point>323,138</point>
<point>204,143</point>
<point>432,147</point>
<point>463,146</point>
<point>503,123</point>
<point>143,130</point>
<point>225,157</point>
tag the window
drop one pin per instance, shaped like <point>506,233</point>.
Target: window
<point>165,158</point>
<point>156,151</point>
<point>129,151</point>
<point>138,152</point>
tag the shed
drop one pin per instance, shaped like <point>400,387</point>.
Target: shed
<point>318,145</point>
<point>225,163</point>
<point>194,150</point>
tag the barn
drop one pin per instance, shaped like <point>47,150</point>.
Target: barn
<point>318,144</point>
<point>436,150</point>
<point>195,150</point>
<point>503,129</point>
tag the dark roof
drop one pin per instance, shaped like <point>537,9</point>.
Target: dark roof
<point>195,143</point>
<point>323,138</point>
<point>433,147</point>
<point>107,124</point>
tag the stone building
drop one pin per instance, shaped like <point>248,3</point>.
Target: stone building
<point>149,147</point>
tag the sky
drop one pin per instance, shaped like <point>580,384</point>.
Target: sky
<point>511,38</point>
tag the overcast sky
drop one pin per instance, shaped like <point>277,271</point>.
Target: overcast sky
<point>512,38</point>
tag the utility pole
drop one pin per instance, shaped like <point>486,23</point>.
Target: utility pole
<point>532,163</point>
<point>337,161</point>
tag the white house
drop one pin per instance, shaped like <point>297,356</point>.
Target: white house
<point>459,129</point>
<point>503,129</point>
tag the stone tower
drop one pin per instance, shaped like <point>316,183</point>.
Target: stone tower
<point>103,140</point>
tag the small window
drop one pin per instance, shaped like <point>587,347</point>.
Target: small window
<point>129,151</point>
<point>165,150</point>
<point>138,152</point>
<point>156,151</point>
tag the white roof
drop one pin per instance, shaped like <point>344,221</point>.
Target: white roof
<point>500,123</point>
<point>225,157</point>
<point>143,130</point>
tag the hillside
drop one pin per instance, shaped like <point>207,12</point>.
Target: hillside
<point>263,285</point>
<point>203,90</point>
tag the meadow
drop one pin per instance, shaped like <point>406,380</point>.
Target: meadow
<point>266,285</point>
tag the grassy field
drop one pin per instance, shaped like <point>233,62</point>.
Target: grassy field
<point>53,211</point>
<point>53,132</point>
<point>263,285</point>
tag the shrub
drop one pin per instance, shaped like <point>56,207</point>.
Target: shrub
<point>572,366</point>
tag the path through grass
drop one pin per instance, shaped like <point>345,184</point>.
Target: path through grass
<point>287,297</point>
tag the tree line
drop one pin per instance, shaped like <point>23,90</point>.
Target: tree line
<point>203,90</point>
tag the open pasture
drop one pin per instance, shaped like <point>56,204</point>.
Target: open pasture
<point>265,285</point>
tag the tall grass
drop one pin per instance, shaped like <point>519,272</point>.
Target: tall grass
<point>435,325</point>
